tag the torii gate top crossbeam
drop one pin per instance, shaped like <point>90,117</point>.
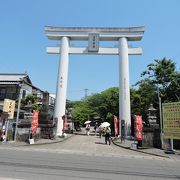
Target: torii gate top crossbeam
<point>105,34</point>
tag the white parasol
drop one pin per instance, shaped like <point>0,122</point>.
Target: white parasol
<point>104,125</point>
<point>87,122</point>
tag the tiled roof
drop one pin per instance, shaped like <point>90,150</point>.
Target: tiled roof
<point>5,77</point>
<point>8,83</point>
<point>16,78</point>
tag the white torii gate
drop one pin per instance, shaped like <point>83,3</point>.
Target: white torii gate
<point>94,36</point>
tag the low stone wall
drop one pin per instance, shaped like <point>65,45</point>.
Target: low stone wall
<point>23,134</point>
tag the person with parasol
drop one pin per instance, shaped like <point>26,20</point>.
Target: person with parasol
<point>87,127</point>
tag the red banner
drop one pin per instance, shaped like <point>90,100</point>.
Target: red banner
<point>34,124</point>
<point>138,128</point>
<point>116,126</point>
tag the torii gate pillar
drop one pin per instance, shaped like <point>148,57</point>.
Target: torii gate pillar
<point>124,90</point>
<point>61,87</point>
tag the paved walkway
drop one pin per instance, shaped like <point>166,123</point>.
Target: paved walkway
<point>128,144</point>
<point>91,145</point>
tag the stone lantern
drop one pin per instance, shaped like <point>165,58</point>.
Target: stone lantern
<point>152,118</point>
<point>151,133</point>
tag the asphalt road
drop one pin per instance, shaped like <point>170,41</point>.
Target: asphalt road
<point>83,157</point>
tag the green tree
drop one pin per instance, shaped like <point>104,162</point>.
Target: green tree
<point>163,74</point>
<point>33,101</point>
<point>141,98</point>
<point>102,105</point>
<point>160,75</point>
<point>111,103</point>
<point>135,102</point>
<point>80,112</point>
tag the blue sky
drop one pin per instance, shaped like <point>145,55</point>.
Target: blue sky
<point>23,41</point>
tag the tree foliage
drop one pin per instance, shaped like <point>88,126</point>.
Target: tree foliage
<point>143,97</point>
<point>160,76</point>
<point>164,75</point>
<point>102,105</point>
<point>81,112</point>
<point>32,101</point>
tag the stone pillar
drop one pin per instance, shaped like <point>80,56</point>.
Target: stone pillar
<point>124,91</point>
<point>61,88</point>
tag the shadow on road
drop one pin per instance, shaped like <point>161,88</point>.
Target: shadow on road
<point>100,143</point>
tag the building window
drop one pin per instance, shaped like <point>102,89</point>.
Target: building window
<point>8,93</point>
<point>2,93</point>
<point>24,94</point>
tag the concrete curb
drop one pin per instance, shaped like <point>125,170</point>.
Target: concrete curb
<point>137,150</point>
<point>53,141</point>
<point>45,142</point>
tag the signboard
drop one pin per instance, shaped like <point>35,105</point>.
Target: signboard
<point>116,125</point>
<point>93,43</point>
<point>171,120</point>
<point>138,128</point>
<point>9,106</point>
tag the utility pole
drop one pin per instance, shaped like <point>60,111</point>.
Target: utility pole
<point>18,110</point>
<point>160,118</point>
<point>85,92</point>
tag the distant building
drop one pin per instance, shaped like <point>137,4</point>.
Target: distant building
<point>11,83</point>
<point>12,86</point>
<point>52,98</point>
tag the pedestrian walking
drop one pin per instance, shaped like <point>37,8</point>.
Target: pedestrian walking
<point>108,135</point>
<point>95,128</point>
<point>88,129</point>
<point>3,125</point>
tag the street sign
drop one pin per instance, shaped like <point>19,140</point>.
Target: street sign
<point>171,120</point>
<point>9,106</point>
